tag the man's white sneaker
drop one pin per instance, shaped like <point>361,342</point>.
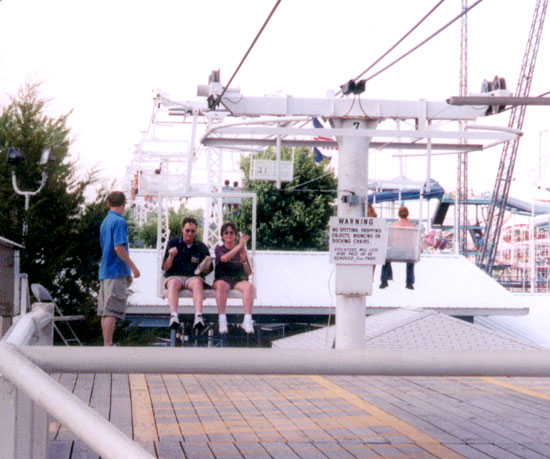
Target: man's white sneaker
<point>248,326</point>
<point>174,321</point>
<point>222,324</point>
<point>199,321</point>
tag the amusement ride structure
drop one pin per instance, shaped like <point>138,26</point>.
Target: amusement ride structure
<point>225,120</point>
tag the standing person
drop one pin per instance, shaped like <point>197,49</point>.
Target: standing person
<point>181,263</point>
<point>116,267</point>
<point>387,273</point>
<point>232,271</point>
<point>237,201</point>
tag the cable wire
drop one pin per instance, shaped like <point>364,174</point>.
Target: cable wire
<point>424,41</point>
<point>396,43</point>
<point>248,51</point>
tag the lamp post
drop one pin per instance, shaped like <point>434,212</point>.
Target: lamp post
<point>15,157</point>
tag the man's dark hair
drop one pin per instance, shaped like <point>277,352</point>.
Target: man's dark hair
<point>189,220</point>
<point>116,199</point>
<point>226,183</point>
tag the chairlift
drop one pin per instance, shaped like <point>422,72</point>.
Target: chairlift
<point>163,238</point>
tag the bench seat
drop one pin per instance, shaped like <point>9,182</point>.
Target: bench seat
<point>208,293</point>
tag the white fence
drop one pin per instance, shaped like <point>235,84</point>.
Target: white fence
<point>28,394</point>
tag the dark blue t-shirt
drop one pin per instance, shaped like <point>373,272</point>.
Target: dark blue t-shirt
<point>113,232</point>
<point>187,259</point>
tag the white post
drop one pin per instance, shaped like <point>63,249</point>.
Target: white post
<point>353,282</point>
<point>532,252</point>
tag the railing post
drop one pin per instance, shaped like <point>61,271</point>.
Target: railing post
<point>8,416</point>
<point>24,432</point>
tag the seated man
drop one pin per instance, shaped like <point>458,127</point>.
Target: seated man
<point>387,273</point>
<point>183,256</point>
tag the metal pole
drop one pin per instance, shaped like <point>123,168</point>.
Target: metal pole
<point>352,281</point>
<point>366,362</point>
<point>532,252</point>
<point>98,433</point>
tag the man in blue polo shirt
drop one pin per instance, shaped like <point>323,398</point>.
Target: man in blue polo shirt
<point>116,267</point>
<point>181,265</point>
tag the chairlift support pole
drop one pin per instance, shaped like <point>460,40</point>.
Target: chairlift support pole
<point>353,125</point>
<point>353,282</point>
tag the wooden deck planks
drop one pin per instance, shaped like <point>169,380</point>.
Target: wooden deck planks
<point>143,420</point>
<point>83,386</point>
<point>298,416</point>
<point>121,404</point>
<point>163,411</point>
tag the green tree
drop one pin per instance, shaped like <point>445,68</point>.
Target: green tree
<point>148,231</point>
<point>59,246</point>
<point>296,216</point>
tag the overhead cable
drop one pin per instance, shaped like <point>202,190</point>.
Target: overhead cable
<point>397,43</point>
<point>248,51</point>
<point>424,41</point>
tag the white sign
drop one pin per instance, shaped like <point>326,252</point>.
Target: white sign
<point>266,169</point>
<point>358,240</point>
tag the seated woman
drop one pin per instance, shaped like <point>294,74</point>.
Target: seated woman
<point>232,271</point>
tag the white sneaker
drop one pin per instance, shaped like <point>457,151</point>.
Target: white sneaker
<point>248,326</point>
<point>174,321</point>
<point>222,324</point>
<point>199,321</point>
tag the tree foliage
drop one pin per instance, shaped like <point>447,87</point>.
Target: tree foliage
<point>61,249</point>
<point>147,233</point>
<point>296,216</point>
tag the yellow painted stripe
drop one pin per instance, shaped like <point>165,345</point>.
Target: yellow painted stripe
<point>143,420</point>
<point>422,440</point>
<point>515,388</point>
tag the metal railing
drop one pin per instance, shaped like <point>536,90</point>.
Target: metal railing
<point>28,393</point>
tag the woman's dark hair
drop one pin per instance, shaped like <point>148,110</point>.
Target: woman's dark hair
<point>403,212</point>
<point>229,225</point>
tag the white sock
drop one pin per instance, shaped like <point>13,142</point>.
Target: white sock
<point>223,318</point>
<point>174,314</point>
<point>248,317</point>
<point>198,314</point>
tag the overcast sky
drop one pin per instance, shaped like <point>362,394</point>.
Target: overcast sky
<point>103,59</point>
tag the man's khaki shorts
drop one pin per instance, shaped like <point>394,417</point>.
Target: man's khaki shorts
<point>184,280</point>
<point>112,297</point>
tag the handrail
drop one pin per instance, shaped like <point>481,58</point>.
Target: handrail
<point>36,327</point>
<point>32,328</point>
<point>367,362</point>
<point>102,436</point>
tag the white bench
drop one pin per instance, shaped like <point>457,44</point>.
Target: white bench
<point>208,291</point>
<point>403,244</point>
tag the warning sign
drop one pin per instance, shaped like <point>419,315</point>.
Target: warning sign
<point>358,240</point>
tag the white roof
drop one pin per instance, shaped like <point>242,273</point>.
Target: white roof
<point>534,327</point>
<point>411,329</point>
<point>303,283</point>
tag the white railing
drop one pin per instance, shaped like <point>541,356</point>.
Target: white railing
<point>28,395</point>
<point>239,361</point>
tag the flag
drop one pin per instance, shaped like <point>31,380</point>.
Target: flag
<point>320,153</point>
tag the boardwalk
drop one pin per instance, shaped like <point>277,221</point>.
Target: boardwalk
<point>314,416</point>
